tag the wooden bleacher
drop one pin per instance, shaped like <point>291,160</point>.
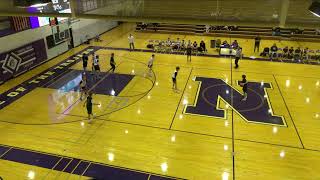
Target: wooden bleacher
<point>241,32</point>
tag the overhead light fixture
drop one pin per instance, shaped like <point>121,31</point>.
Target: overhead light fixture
<point>315,8</point>
<point>31,3</point>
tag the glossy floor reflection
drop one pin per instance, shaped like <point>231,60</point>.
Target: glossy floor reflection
<point>143,130</point>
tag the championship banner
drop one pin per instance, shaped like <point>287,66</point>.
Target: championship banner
<point>20,60</point>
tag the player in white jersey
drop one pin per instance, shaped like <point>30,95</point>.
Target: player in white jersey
<point>174,79</point>
<point>96,66</point>
<point>150,64</point>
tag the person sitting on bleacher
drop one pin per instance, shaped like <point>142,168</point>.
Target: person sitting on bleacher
<point>265,52</point>
<point>297,54</point>
<point>195,45</point>
<point>234,44</point>
<point>305,54</point>
<point>178,42</point>
<point>225,44</point>
<point>168,42</point>
<point>274,50</point>
<point>290,54</point>
<point>285,52</point>
<point>202,47</point>
<point>183,45</point>
<point>207,28</point>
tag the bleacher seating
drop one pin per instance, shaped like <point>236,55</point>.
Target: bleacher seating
<point>240,32</point>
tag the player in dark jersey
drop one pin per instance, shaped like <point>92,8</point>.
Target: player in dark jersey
<point>112,63</point>
<point>189,52</point>
<point>84,62</point>
<point>244,85</point>
<point>88,104</point>
<point>174,79</point>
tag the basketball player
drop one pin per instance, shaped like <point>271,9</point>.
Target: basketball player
<point>189,52</point>
<point>237,56</point>
<point>131,42</point>
<point>92,67</point>
<point>174,79</point>
<point>96,66</point>
<point>83,86</point>
<point>84,62</point>
<point>112,63</point>
<point>150,64</point>
<point>88,104</point>
<point>244,86</point>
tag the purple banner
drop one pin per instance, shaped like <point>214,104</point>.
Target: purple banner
<point>20,60</point>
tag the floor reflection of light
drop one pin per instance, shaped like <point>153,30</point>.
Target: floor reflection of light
<point>132,71</point>
<point>317,83</point>
<point>139,111</point>
<point>226,147</point>
<point>288,83</point>
<point>185,102</point>
<point>82,124</point>
<point>157,83</point>
<point>99,105</point>
<point>164,167</point>
<point>180,116</point>
<point>227,106</point>
<point>190,87</point>
<point>282,154</point>
<point>110,156</point>
<point>269,111</point>
<point>300,87</point>
<point>149,96</point>
<point>126,131</point>
<point>173,138</point>
<point>31,174</point>
<point>274,130</point>
<point>226,123</point>
<point>265,96</point>
<point>225,176</point>
<point>317,115</point>
<point>307,100</point>
<point>112,92</point>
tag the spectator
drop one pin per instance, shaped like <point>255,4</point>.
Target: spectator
<point>305,54</point>
<point>297,54</point>
<point>183,45</point>
<point>207,28</point>
<point>143,26</point>
<point>285,52</point>
<point>203,46</point>
<point>274,50</point>
<point>317,31</point>
<point>195,45</point>
<point>257,40</point>
<point>168,42</point>
<point>290,54</point>
<point>225,44</point>
<point>234,44</point>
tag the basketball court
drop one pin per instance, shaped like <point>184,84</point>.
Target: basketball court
<point>142,129</point>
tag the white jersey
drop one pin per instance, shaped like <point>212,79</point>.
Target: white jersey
<point>131,39</point>
<point>174,75</point>
<point>150,63</point>
<point>96,61</point>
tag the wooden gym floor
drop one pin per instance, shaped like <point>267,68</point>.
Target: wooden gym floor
<point>148,131</point>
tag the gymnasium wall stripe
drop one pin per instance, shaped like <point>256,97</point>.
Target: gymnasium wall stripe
<point>73,165</point>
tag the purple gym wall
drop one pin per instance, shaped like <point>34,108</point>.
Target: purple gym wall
<point>20,60</point>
